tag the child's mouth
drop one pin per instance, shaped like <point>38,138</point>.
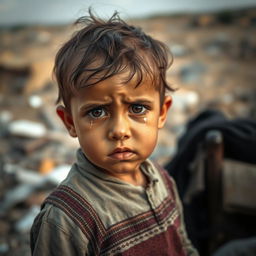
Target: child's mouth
<point>122,154</point>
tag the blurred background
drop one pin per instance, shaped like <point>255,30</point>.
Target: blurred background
<point>214,48</point>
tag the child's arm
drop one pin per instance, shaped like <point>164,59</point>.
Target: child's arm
<point>53,233</point>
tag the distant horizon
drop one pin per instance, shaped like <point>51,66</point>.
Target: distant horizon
<point>61,12</point>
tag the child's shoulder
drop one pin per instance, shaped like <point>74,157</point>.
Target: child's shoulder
<point>52,215</point>
<point>53,226</point>
<point>167,178</point>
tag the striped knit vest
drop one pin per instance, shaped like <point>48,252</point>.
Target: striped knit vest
<point>144,234</point>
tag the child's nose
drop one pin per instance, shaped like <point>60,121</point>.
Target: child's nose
<point>119,128</point>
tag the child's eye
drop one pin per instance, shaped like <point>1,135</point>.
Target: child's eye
<point>137,109</point>
<point>97,113</point>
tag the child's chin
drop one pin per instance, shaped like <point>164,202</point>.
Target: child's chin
<point>123,167</point>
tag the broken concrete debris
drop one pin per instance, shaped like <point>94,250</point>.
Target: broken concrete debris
<point>179,50</point>
<point>35,101</point>
<point>25,128</point>
<point>192,72</point>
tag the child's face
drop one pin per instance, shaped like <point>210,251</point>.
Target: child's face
<point>116,124</point>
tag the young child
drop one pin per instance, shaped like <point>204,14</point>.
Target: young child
<point>112,84</point>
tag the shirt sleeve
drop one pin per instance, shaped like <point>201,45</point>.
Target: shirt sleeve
<point>53,233</point>
<point>187,245</point>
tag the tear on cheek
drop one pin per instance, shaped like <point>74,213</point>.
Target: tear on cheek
<point>141,119</point>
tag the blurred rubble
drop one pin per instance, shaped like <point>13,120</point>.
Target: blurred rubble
<point>213,68</point>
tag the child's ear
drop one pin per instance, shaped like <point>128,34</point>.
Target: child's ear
<point>164,110</point>
<point>67,120</point>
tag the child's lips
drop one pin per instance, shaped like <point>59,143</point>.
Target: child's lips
<point>122,154</point>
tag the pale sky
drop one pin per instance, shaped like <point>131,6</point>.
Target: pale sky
<point>63,11</point>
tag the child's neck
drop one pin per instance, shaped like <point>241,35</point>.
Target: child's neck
<point>138,179</point>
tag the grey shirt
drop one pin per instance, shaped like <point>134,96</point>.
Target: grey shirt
<point>114,203</point>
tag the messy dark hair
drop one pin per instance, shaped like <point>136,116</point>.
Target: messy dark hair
<point>102,49</point>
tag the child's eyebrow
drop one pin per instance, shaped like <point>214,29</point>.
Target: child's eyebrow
<point>92,105</point>
<point>138,101</point>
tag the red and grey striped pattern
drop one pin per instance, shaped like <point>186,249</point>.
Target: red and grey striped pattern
<point>81,212</point>
<point>138,235</point>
